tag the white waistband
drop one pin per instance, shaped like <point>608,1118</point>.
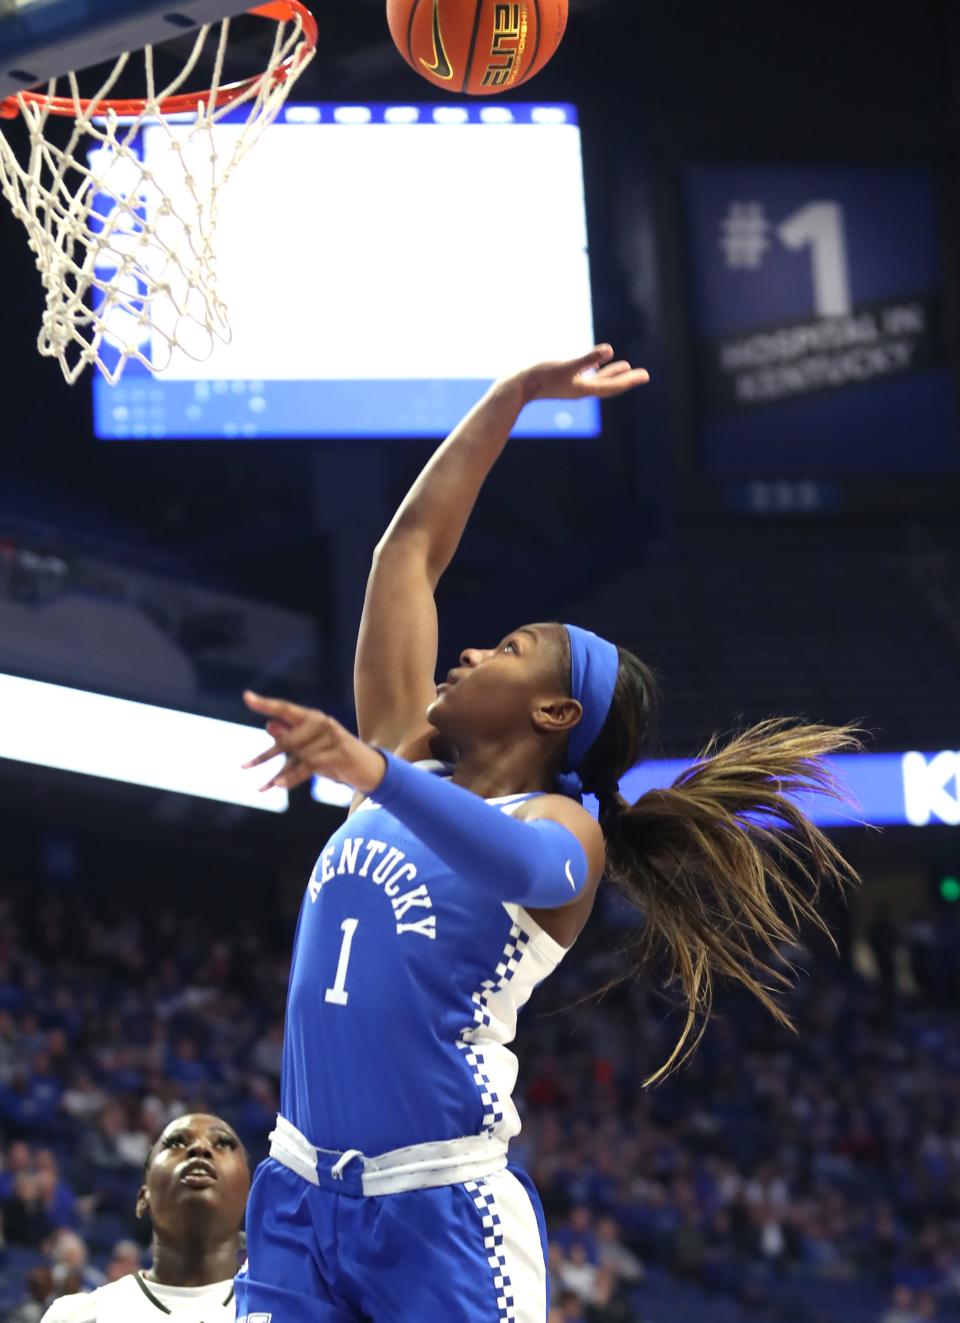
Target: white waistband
<point>450,1162</point>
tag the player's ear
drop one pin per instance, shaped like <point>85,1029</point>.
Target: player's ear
<point>556,715</point>
<point>143,1203</point>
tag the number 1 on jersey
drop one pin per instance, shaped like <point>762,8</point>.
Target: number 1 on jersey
<point>338,993</point>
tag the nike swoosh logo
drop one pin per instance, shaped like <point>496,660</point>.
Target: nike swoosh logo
<point>441,64</point>
<point>566,869</point>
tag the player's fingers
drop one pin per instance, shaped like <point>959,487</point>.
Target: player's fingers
<point>610,372</point>
<point>623,381</point>
<point>318,753</point>
<point>315,731</point>
<point>599,355</point>
<point>293,775</point>
<point>265,757</point>
<point>613,369</point>
<point>279,778</point>
<point>291,713</point>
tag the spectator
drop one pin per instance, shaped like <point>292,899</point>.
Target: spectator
<point>107,1146</point>
<point>59,1200</point>
<point>567,1309</point>
<point>579,1231</point>
<point>608,1302</point>
<point>125,1258</point>
<point>185,1067</point>
<point>577,1274</point>
<point>25,1218</point>
<point>71,1259</point>
<point>614,1255</point>
<point>902,1307</point>
<point>40,1292</point>
<point>82,1099</point>
<point>268,1051</point>
<point>18,1159</point>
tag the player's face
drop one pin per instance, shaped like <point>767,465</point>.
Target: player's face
<point>496,691</point>
<point>198,1171</point>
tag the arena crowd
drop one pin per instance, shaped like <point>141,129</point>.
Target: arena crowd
<point>808,1177</point>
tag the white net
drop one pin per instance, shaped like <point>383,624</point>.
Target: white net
<point>125,249</point>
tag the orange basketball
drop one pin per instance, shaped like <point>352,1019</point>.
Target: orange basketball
<point>477,46</point>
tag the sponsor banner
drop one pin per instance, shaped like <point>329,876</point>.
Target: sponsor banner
<point>879,341</point>
<point>817,309</point>
<point>885,789</point>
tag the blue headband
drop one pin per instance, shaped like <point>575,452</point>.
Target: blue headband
<point>594,666</point>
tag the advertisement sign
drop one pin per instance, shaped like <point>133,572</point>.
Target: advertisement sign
<point>818,314</point>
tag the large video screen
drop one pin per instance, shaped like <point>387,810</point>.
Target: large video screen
<point>381,264</point>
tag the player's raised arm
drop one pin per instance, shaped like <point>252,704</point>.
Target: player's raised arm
<point>394,671</point>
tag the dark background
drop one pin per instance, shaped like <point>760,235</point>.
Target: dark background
<point>627,530</point>
<point>836,599</point>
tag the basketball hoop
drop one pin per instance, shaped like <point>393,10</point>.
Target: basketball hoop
<point>125,247</point>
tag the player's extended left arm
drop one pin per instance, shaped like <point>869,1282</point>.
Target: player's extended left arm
<point>540,863</point>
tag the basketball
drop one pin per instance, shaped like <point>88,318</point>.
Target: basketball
<point>480,47</point>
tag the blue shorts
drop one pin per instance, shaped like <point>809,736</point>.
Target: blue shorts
<point>471,1253</point>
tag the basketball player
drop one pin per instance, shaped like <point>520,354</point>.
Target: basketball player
<point>465,872</point>
<point>195,1185</point>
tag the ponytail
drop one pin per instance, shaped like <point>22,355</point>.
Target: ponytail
<point>725,865</point>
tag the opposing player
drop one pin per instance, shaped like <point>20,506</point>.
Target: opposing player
<point>456,886</point>
<point>195,1185</point>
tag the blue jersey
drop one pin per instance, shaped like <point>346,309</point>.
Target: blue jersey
<point>404,991</point>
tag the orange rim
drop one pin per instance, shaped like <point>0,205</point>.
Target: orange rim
<point>280,11</point>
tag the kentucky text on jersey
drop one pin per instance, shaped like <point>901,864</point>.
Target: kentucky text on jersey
<point>393,872</point>
<point>405,986</point>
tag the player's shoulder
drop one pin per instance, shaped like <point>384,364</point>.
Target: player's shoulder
<point>558,808</point>
<point>120,1298</point>
<point>72,1309</point>
<point>577,820</point>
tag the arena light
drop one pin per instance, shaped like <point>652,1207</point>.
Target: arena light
<point>549,115</point>
<point>496,115</point>
<point>451,115</point>
<point>353,114</point>
<point>302,114</point>
<point>325,791</point>
<point>402,114</point>
<point>73,730</point>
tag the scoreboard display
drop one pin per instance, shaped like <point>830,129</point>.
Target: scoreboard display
<point>818,318</point>
<point>381,265</point>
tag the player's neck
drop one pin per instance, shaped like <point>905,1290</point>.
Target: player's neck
<point>494,770</point>
<point>194,1264</point>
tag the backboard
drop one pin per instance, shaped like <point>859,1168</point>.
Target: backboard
<point>43,39</point>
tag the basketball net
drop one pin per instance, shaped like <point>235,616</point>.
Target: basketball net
<point>124,238</point>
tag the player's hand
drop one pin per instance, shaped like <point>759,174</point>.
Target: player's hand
<point>596,374</point>
<point>314,744</point>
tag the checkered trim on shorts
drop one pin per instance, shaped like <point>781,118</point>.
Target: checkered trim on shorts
<point>507,966</point>
<point>486,1206</point>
